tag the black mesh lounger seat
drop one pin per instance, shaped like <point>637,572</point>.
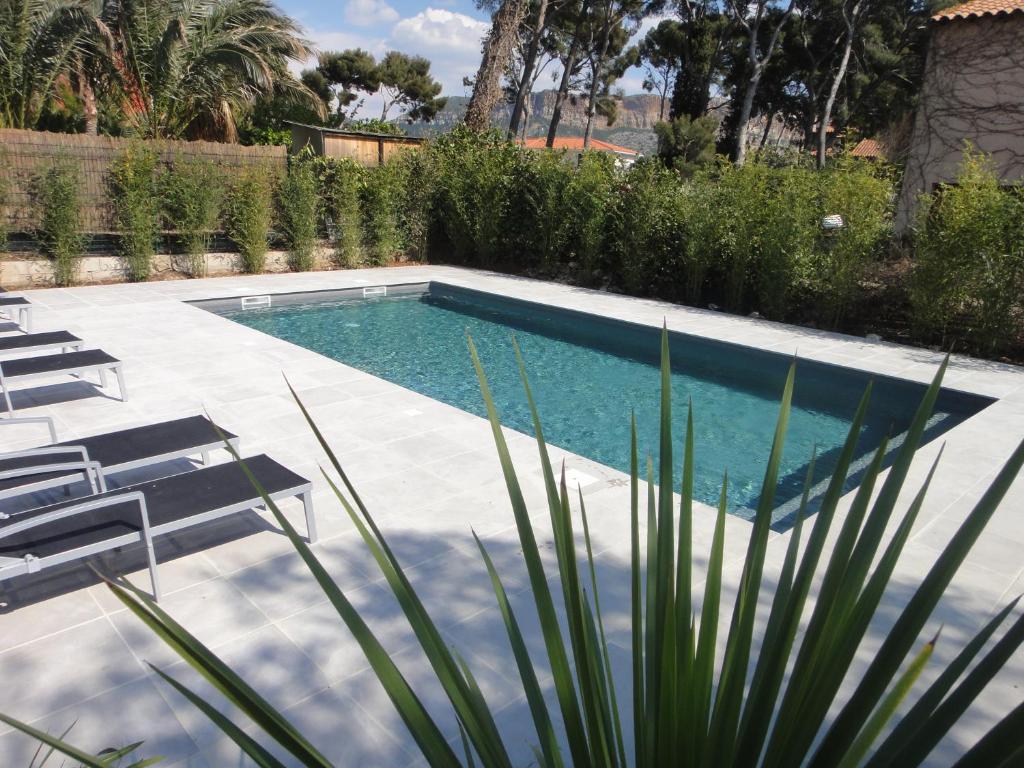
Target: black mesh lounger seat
<point>97,457</point>
<point>72,363</point>
<point>33,342</point>
<point>71,530</point>
<point>21,306</point>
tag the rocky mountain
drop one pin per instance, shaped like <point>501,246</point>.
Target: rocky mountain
<point>633,126</point>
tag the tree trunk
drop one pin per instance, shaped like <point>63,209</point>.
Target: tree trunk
<point>497,50</point>
<point>568,65</point>
<point>529,62</point>
<point>740,155</point>
<point>595,80</point>
<point>767,130</point>
<point>826,114</point>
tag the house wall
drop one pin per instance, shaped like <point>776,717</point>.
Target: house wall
<point>974,91</point>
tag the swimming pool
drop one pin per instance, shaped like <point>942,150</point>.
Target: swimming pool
<point>588,372</point>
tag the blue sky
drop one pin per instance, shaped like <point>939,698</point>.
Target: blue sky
<point>448,32</point>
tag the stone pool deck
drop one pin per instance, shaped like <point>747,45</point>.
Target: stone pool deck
<point>70,654</point>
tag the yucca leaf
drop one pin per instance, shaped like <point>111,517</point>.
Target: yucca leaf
<point>775,645</point>
<point>560,668</point>
<point>636,600</point>
<point>479,721</point>
<point>49,753</point>
<point>221,676</point>
<point>852,624</point>
<point>933,725</point>
<point>527,673</point>
<point>613,699</point>
<point>729,698</point>
<point>707,641</point>
<point>247,743</point>
<point>885,709</point>
<point>87,760</point>
<point>924,600</point>
<point>1001,747</point>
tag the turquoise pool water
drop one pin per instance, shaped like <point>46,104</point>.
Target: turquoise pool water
<point>588,372</point>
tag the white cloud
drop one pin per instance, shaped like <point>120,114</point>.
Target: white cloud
<point>439,31</point>
<point>450,40</point>
<point>367,13</point>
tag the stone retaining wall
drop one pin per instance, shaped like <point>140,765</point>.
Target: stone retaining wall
<point>30,270</point>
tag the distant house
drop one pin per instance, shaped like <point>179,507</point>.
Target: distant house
<point>973,92</point>
<point>574,146</point>
<point>364,148</point>
<point>869,149</point>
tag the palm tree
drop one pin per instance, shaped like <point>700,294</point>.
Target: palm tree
<point>185,67</point>
<point>41,42</point>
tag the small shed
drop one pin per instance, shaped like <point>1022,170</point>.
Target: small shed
<point>365,148</point>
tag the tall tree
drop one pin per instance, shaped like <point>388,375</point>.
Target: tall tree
<point>762,40</point>
<point>530,58</point>
<point>851,11</point>
<point>705,34</point>
<point>41,42</point>
<point>406,82</point>
<point>575,18</point>
<point>345,76</point>
<point>660,54</point>
<point>186,68</point>
<point>497,50</point>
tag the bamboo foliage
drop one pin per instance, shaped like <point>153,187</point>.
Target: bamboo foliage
<point>756,694</point>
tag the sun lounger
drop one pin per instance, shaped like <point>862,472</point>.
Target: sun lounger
<point>68,531</point>
<point>20,306</point>
<point>72,363</point>
<point>97,457</point>
<point>36,342</point>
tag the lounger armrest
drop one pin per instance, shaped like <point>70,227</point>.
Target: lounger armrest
<point>32,420</point>
<point>88,505</point>
<point>54,450</point>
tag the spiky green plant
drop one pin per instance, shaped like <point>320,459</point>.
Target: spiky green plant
<point>765,697</point>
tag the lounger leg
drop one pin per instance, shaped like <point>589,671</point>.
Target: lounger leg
<point>307,506</point>
<point>120,383</point>
<point>103,378</point>
<point>7,400</point>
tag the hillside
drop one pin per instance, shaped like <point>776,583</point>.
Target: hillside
<point>634,125</point>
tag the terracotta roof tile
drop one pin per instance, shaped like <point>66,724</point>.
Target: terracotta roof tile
<point>975,9</point>
<point>576,142</point>
<point>868,148</point>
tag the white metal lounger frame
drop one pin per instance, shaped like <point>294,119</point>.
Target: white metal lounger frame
<point>100,368</point>
<point>75,346</point>
<point>16,566</point>
<point>79,464</point>
<point>47,420</point>
<point>81,450</point>
<point>24,315</point>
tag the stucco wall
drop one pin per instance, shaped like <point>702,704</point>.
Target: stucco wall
<point>973,90</point>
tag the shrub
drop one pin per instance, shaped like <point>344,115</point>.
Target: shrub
<point>418,201</point>
<point>969,257</point>
<point>297,202</point>
<point>133,189</point>
<point>383,197</point>
<point>543,211</point>
<point>249,215</point>
<point>474,193</point>
<point>192,195</point>
<point>340,182</point>
<point>59,209</point>
<point>769,690</point>
<point>685,145</point>
<point>589,195</point>
<point>864,197</point>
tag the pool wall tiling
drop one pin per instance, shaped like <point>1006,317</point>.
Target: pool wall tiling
<point>589,373</point>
